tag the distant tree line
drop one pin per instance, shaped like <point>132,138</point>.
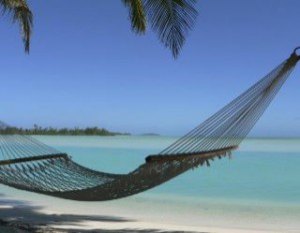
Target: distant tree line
<point>38,130</point>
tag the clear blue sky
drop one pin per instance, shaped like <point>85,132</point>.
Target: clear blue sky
<point>87,68</point>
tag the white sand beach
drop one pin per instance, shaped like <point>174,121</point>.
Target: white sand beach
<point>53,215</point>
<point>26,218</point>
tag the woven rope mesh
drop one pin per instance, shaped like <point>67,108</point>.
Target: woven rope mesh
<point>229,126</point>
<point>29,164</point>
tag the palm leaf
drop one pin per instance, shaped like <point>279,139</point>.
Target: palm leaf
<point>21,14</point>
<point>136,15</point>
<point>172,20</point>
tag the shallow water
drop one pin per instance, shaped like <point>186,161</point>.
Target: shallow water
<point>259,184</point>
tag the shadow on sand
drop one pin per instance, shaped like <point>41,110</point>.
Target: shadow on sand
<point>22,217</point>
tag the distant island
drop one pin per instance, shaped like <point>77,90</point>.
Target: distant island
<point>38,130</point>
<point>150,134</point>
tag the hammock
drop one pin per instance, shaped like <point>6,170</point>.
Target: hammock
<point>30,165</point>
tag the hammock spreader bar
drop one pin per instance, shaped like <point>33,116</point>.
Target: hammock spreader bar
<point>33,158</point>
<point>204,154</point>
<point>28,164</point>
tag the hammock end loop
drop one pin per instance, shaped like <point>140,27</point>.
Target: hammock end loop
<point>295,53</point>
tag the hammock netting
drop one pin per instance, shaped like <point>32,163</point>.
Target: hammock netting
<point>30,165</point>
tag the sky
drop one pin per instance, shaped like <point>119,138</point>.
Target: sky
<point>86,67</point>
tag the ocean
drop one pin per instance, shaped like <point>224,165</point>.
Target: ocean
<point>258,188</point>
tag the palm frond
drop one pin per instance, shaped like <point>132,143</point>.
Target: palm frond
<point>172,20</point>
<point>21,14</point>
<point>137,15</point>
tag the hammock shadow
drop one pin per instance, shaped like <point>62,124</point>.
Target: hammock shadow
<point>129,231</point>
<point>24,217</point>
<point>21,213</point>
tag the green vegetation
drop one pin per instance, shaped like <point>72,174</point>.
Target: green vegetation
<point>21,14</point>
<point>170,19</point>
<point>37,130</point>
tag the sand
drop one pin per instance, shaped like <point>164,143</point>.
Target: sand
<point>20,216</point>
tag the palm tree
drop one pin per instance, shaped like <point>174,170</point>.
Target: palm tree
<point>20,13</point>
<point>170,19</point>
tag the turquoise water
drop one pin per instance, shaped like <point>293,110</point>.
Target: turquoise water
<point>261,181</point>
<point>264,170</point>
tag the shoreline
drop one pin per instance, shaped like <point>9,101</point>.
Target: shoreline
<point>136,227</point>
<point>34,216</point>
